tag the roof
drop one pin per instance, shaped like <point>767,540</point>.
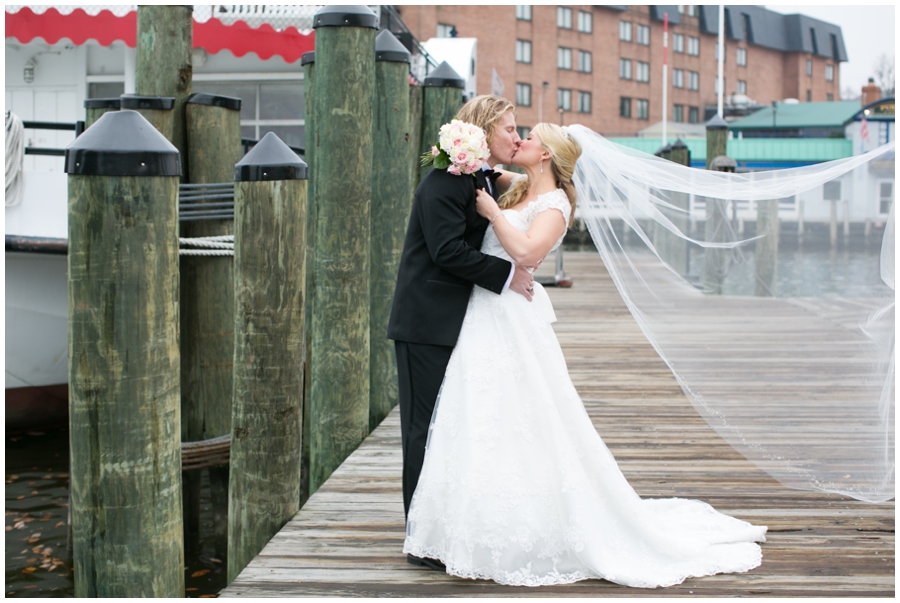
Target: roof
<point>758,152</point>
<point>787,33</point>
<point>799,115</point>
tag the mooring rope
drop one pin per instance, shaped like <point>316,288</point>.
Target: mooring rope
<point>206,453</point>
<point>15,157</point>
<point>210,246</point>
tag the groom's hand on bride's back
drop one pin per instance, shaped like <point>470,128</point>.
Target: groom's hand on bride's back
<point>522,282</point>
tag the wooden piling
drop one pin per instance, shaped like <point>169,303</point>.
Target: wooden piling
<point>716,212</point>
<point>390,191</point>
<point>95,107</point>
<point>416,94</point>
<point>163,63</point>
<point>308,61</point>
<point>442,100</point>
<point>213,128</point>
<point>339,346</point>
<point>158,110</point>
<point>124,385</point>
<point>269,276</point>
<point>671,248</point>
<point>768,224</point>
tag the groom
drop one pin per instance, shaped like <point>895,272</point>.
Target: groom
<point>441,261</point>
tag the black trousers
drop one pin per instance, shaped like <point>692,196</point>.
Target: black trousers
<point>420,369</point>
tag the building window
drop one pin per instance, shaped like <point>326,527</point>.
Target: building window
<point>808,96</point>
<point>523,131</point>
<point>445,30</point>
<point>625,31</point>
<point>741,87</point>
<point>808,68</point>
<point>678,43</point>
<point>625,69</point>
<point>693,115</point>
<point>271,106</point>
<point>886,197</point>
<point>693,46</point>
<point>584,102</point>
<point>693,80</point>
<point>643,109</point>
<point>523,95</point>
<point>564,17</point>
<point>678,78</point>
<point>584,61</point>
<point>678,113</point>
<point>643,72</point>
<point>523,51</point>
<point>742,57</point>
<point>564,99</point>
<point>829,73</point>
<point>829,97</point>
<point>624,106</point>
<point>523,12</point>
<point>585,22</point>
<point>564,58</point>
<point>643,35</point>
<point>693,10</point>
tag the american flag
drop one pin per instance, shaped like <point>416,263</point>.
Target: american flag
<point>864,129</point>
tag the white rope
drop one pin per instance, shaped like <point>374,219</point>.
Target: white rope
<point>15,157</point>
<point>212,246</point>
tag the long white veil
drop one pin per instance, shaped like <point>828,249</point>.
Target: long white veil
<point>802,386</point>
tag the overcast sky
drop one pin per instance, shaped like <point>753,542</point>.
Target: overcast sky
<point>868,33</point>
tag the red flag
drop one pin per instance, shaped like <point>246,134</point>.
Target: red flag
<point>864,129</point>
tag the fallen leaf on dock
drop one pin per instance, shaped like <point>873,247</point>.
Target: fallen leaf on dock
<point>191,589</point>
<point>59,523</point>
<point>214,560</point>
<point>199,573</point>
<point>207,596</point>
<point>28,570</point>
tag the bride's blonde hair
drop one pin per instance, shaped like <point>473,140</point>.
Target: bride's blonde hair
<point>564,152</point>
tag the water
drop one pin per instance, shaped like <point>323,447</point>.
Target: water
<point>37,491</point>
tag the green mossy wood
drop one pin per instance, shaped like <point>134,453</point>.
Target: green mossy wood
<point>163,64</point>
<point>339,354</point>
<point>269,275</point>
<point>124,386</point>
<point>416,98</point>
<point>92,115</point>
<point>716,218</point>
<point>309,74</point>
<point>439,106</point>
<point>390,208</point>
<point>672,248</point>
<point>207,307</point>
<point>767,224</point>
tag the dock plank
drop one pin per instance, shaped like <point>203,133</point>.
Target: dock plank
<point>347,540</point>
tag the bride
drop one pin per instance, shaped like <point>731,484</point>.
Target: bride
<point>517,486</point>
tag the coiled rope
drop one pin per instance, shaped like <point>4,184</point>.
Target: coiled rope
<point>209,246</point>
<point>15,157</point>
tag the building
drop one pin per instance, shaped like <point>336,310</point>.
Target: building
<point>602,65</point>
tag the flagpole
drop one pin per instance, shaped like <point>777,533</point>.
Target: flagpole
<point>721,59</point>
<point>665,82</point>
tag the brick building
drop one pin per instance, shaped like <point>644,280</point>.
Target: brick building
<point>603,64</point>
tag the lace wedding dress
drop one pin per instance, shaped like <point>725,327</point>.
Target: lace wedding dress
<point>518,487</point>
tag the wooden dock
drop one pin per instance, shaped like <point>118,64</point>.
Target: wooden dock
<point>347,540</point>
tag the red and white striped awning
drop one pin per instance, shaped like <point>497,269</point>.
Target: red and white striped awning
<point>211,34</point>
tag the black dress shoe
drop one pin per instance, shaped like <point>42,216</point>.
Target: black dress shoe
<point>426,562</point>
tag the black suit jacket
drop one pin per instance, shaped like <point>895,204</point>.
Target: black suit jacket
<point>441,261</point>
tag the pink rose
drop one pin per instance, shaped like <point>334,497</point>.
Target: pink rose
<point>435,151</point>
<point>462,157</point>
<point>454,170</point>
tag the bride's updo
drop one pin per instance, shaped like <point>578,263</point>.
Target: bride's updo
<point>564,152</point>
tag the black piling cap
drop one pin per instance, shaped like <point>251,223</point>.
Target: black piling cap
<point>160,103</point>
<point>308,57</point>
<point>270,159</point>
<point>215,100</point>
<point>679,145</point>
<point>122,143</point>
<point>101,103</point>
<point>389,48</point>
<point>354,15</point>
<point>717,123</point>
<point>444,77</point>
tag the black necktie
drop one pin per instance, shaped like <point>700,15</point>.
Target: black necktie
<point>491,177</point>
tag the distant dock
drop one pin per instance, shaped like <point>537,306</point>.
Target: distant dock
<point>347,539</point>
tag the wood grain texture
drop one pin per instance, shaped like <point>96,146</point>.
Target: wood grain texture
<point>92,115</point>
<point>439,106</point>
<point>390,208</point>
<point>269,275</point>
<point>124,387</point>
<point>163,65</point>
<point>309,80</point>
<point>347,539</point>
<point>339,354</point>
<point>766,255</point>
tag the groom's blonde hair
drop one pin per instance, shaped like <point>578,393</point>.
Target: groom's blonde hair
<point>485,111</point>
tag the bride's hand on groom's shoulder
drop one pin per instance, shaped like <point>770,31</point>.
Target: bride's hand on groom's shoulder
<point>485,204</point>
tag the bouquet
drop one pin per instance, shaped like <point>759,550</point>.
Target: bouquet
<point>462,149</point>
